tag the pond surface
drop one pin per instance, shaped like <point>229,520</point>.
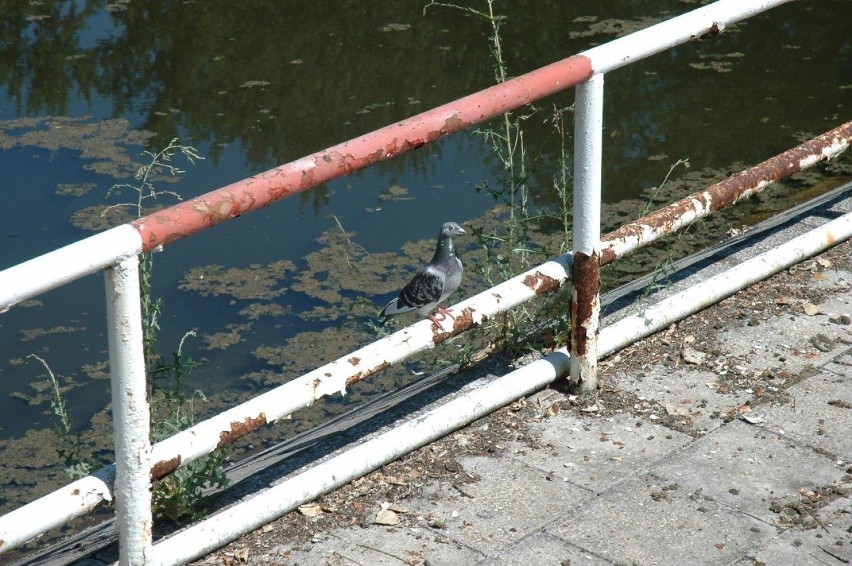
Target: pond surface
<point>87,87</point>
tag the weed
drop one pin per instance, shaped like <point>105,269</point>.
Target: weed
<point>507,246</point>
<point>180,493</point>
<point>70,447</point>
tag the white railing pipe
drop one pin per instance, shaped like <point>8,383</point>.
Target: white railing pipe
<point>585,299</point>
<point>710,291</point>
<point>226,526</point>
<point>82,496</point>
<point>53,510</point>
<point>710,20</point>
<point>334,377</point>
<point>67,264</point>
<point>130,414</point>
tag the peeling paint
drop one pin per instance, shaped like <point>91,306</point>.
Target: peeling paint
<point>165,467</point>
<point>367,373</point>
<point>461,322</point>
<point>240,429</point>
<point>541,283</point>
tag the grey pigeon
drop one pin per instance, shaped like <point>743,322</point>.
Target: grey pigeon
<point>434,283</point>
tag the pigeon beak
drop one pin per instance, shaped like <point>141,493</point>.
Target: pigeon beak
<point>460,231</point>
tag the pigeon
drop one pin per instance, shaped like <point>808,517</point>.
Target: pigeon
<point>434,283</point>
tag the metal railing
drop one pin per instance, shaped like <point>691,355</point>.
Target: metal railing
<point>115,251</point>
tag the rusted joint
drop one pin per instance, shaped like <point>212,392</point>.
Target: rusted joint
<point>165,467</point>
<point>240,429</point>
<point>586,277</point>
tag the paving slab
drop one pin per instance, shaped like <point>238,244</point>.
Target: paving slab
<point>542,549</point>
<point>829,544</point>
<point>820,413</point>
<point>597,453</point>
<point>746,467</point>
<point>649,521</point>
<point>380,545</point>
<point>509,502</point>
<point>789,343</point>
<point>686,393</point>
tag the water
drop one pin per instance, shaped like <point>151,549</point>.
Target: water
<point>254,84</point>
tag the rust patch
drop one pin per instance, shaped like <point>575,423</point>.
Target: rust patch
<point>715,29</point>
<point>607,254</point>
<point>165,467</point>
<point>240,429</point>
<point>541,283</point>
<point>355,378</point>
<point>462,321</point>
<point>75,492</point>
<point>364,374</point>
<point>354,360</point>
<point>586,276</point>
<point>454,124</point>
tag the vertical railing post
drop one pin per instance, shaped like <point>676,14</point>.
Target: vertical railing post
<point>131,420</point>
<point>585,267</point>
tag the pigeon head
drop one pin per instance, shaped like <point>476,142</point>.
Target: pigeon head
<point>450,229</point>
<point>445,248</point>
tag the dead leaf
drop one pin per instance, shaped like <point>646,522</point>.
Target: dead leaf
<point>823,262</point>
<point>811,309</point>
<point>242,554</point>
<point>387,517</point>
<point>754,419</point>
<point>675,410</point>
<point>720,545</point>
<point>553,410</point>
<point>784,301</point>
<point>810,494</point>
<point>693,356</point>
<point>310,509</point>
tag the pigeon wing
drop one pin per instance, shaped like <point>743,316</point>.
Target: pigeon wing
<point>423,291</point>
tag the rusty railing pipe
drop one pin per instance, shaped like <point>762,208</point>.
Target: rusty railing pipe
<point>753,180</point>
<point>256,192</point>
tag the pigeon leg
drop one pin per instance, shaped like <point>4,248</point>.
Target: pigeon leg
<point>435,321</point>
<point>446,313</point>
